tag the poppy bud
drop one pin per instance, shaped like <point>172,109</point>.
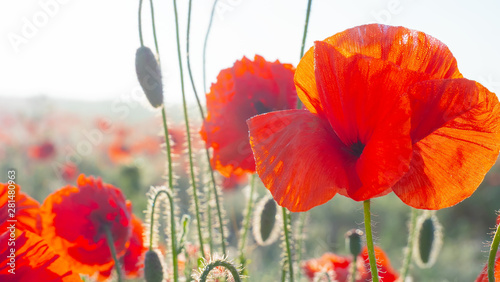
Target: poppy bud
<point>353,241</point>
<point>149,75</point>
<point>429,240</point>
<point>265,227</point>
<point>153,268</point>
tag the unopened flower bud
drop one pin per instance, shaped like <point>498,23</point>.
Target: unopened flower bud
<point>265,226</point>
<point>353,241</point>
<point>153,268</point>
<point>429,240</point>
<point>149,75</point>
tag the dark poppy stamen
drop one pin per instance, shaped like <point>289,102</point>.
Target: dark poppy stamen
<point>261,109</point>
<point>357,148</point>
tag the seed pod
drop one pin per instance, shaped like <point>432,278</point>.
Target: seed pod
<point>266,222</point>
<point>353,241</point>
<point>153,267</point>
<point>149,75</point>
<point>429,240</point>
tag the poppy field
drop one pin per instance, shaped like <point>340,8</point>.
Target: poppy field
<point>374,158</point>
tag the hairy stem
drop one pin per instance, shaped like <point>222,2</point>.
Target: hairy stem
<point>205,46</point>
<point>111,244</point>
<point>217,263</point>
<point>207,153</point>
<point>369,241</point>
<point>246,223</point>
<point>493,254</point>
<point>287,242</point>
<point>188,135</point>
<point>409,248</point>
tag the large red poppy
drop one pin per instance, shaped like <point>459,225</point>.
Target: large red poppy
<point>247,89</point>
<point>75,220</point>
<point>24,210</point>
<point>34,260</point>
<point>387,110</point>
<point>338,267</point>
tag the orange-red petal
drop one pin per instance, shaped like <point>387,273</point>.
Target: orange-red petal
<point>385,271</point>
<point>34,261</point>
<point>299,159</point>
<point>408,49</point>
<point>452,154</point>
<point>26,209</point>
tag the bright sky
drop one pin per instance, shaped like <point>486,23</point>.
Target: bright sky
<point>79,49</point>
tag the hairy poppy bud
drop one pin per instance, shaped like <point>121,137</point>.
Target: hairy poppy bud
<point>429,240</point>
<point>149,75</point>
<point>353,241</point>
<point>153,268</point>
<point>265,227</point>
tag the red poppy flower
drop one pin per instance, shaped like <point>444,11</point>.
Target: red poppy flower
<point>387,110</point>
<point>34,260</point>
<point>247,89</point>
<point>483,276</point>
<point>75,219</point>
<point>26,213</point>
<point>338,267</point>
<point>119,153</point>
<point>43,151</point>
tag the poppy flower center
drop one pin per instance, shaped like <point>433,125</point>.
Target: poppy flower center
<point>261,109</point>
<point>357,148</point>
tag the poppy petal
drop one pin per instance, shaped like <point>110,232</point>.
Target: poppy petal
<point>406,48</point>
<point>298,158</point>
<point>451,161</point>
<point>366,104</point>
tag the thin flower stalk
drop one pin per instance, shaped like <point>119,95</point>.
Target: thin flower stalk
<point>112,249</point>
<point>246,223</point>
<point>207,153</point>
<point>188,135</point>
<point>409,247</point>
<point>369,241</point>
<point>286,221</point>
<point>493,254</point>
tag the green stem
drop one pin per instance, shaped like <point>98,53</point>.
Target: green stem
<point>300,237</point>
<point>173,236</point>
<point>205,46</point>
<point>188,135</point>
<point>246,223</point>
<point>409,248</point>
<point>169,153</point>
<point>302,46</point>
<point>352,272</point>
<point>207,153</point>
<point>287,242</point>
<point>111,244</point>
<point>493,254</point>
<point>369,241</point>
<point>140,23</point>
<point>217,263</point>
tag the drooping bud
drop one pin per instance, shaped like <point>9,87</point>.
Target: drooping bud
<point>153,267</point>
<point>353,241</point>
<point>429,240</point>
<point>149,75</point>
<point>265,222</point>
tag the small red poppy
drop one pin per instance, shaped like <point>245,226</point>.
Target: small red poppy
<point>119,152</point>
<point>33,260</point>
<point>42,151</point>
<point>387,111</point>
<point>75,219</point>
<point>247,89</point>
<point>24,209</point>
<point>338,267</point>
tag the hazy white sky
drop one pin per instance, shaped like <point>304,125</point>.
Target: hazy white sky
<point>78,49</point>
